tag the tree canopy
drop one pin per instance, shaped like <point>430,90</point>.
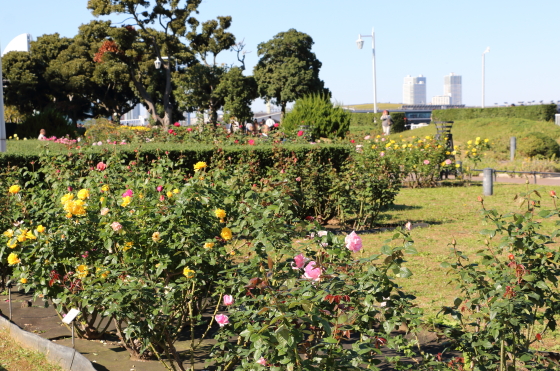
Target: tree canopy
<point>288,69</point>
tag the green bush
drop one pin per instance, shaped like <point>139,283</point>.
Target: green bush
<point>543,112</point>
<point>318,112</point>
<point>538,144</point>
<point>52,121</point>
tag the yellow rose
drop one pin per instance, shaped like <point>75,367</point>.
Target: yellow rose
<point>189,273</point>
<point>11,244</point>
<point>169,194</point>
<point>126,201</point>
<point>102,199</point>
<point>13,259</point>
<point>40,229</point>
<point>469,142</point>
<point>82,271</point>
<point>200,165</point>
<point>67,197</point>
<point>105,188</point>
<point>23,280</point>
<point>209,245</point>
<point>22,237</point>
<point>226,234</point>
<point>155,236</point>
<point>30,235</point>
<point>69,215</point>
<point>128,246</point>
<point>9,233</point>
<point>220,213</point>
<point>175,191</point>
<point>14,189</point>
<point>83,194</point>
<point>485,140</point>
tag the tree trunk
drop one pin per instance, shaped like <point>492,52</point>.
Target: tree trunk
<point>283,111</point>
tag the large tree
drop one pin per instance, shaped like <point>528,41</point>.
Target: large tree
<point>288,69</point>
<point>174,43</point>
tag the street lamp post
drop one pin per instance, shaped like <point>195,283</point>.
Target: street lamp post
<point>483,54</point>
<point>2,123</point>
<point>360,44</point>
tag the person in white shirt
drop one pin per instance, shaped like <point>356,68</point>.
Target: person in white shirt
<point>42,134</point>
<point>270,122</point>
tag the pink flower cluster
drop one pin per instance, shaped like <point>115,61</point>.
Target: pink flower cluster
<point>353,242</point>
<point>114,142</point>
<point>61,140</point>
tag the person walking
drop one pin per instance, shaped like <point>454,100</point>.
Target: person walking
<point>386,122</point>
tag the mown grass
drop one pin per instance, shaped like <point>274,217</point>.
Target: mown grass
<point>448,213</point>
<point>15,358</point>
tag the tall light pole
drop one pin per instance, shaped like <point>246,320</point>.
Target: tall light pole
<point>360,43</point>
<point>483,54</point>
<point>2,123</point>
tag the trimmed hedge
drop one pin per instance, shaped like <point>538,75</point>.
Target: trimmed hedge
<point>370,119</point>
<point>543,112</point>
<point>334,153</point>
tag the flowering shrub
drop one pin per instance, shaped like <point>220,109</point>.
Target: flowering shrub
<point>293,311</point>
<point>509,295</point>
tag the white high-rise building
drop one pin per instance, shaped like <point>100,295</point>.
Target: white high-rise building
<point>414,90</point>
<point>441,100</point>
<point>453,86</point>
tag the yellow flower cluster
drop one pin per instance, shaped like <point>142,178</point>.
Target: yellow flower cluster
<point>126,201</point>
<point>220,214</point>
<point>209,245</point>
<point>134,128</point>
<point>73,207</point>
<point>83,194</point>
<point>21,235</point>
<point>82,271</point>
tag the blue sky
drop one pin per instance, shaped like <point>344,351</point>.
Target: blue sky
<point>429,37</point>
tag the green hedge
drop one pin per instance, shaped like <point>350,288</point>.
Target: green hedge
<point>543,112</point>
<point>334,153</point>
<point>374,119</point>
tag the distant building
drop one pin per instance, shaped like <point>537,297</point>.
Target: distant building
<point>442,100</point>
<point>453,87</point>
<point>414,90</point>
<point>21,43</point>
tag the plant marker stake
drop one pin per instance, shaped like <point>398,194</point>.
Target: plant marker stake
<point>10,299</point>
<point>73,335</point>
<point>69,319</point>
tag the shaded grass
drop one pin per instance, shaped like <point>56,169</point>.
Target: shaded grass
<point>15,358</point>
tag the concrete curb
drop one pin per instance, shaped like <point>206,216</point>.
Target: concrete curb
<point>67,358</point>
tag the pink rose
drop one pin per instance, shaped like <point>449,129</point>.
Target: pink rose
<point>367,137</point>
<point>104,211</point>
<point>322,233</point>
<point>251,142</point>
<point>101,166</point>
<point>128,193</point>
<point>116,226</point>
<point>298,179</point>
<point>162,198</point>
<point>170,131</point>
<point>382,154</point>
<point>448,162</point>
<point>176,124</point>
<point>311,272</point>
<point>222,319</point>
<point>228,300</point>
<point>352,141</point>
<point>300,261</point>
<point>276,125</point>
<point>189,129</point>
<point>99,143</point>
<point>353,242</point>
<point>408,226</point>
<point>300,133</point>
<point>262,361</point>
<point>426,162</point>
<point>159,188</point>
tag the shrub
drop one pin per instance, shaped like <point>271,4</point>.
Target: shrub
<point>538,145</point>
<point>51,120</point>
<point>317,111</point>
<point>543,112</point>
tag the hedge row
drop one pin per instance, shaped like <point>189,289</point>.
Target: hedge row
<point>334,153</point>
<point>370,119</point>
<point>543,112</point>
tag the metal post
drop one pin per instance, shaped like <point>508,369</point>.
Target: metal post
<point>535,177</point>
<point>512,148</point>
<point>486,51</point>
<point>2,123</point>
<point>73,334</point>
<point>488,182</point>
<point>374,84</point>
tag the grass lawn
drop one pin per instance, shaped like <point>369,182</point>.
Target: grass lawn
<point>450,212</point>
<point>15,358</point>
